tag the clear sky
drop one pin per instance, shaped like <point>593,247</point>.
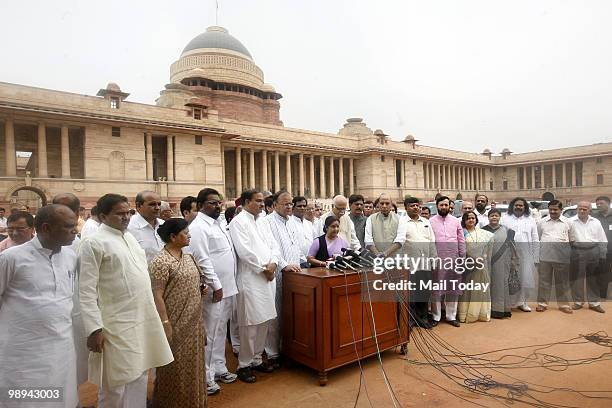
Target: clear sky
<point>460,74</point>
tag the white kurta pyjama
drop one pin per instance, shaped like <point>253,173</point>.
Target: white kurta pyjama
<point>255,248</point>
<point>115,293</point>
<point>36,337</point>
<point>212,248</point>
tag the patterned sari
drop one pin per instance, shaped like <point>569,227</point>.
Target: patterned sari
<point>181,384</point>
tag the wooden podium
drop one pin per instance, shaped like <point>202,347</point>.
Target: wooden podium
<point>318,308</point>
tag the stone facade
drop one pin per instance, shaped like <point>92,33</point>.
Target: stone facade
<point>217,124</point>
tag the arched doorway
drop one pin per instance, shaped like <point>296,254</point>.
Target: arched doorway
<point>548,196</point>
<point>32,197</point>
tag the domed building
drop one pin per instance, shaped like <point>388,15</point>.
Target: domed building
<point>216,71</point>
<point>217,124</point>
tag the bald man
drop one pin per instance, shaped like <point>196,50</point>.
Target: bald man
<point>80,338</point>
<point>347,228</point>
<point>37,280</point>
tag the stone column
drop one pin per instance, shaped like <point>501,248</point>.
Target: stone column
<point>170,159</point>
<point>351,177</point>
<point>322,177</point>
<point>332,187</point>
<point>149,155</point>
<point>301,172</point>
<point>238,171</point>
<point>65,146</point>
<point>554,175</point>
<point>264,170</point>
<point>341,176</point>
<point>288,171</point>
<point>270,183</point>
<point>9,144</point>
<point>564,172</point>
<point>312,177</point>
<point>574,178</point>
<point>276,171</point>
<point>42,150</point>
<point>251,168</point>
<point>533,177</point>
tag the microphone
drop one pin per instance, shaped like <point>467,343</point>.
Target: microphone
<point>331,265</point>
<point>366,256</point>
<point>340,261</point>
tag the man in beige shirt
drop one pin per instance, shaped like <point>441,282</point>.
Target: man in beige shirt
<point>554,258</point>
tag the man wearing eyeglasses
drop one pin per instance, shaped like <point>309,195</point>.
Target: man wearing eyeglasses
<point>347,228</point>
<point>20,230</point>
<point>301,212</point>
<point>289,236</point>
<point>212,248</point>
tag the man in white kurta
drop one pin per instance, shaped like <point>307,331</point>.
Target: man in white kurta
<point>212,248</point>
<point>92,224</point>
<point>288,235</point>
<point>124,330</point>
<point>144,224</point>
<point>528,247</point>
<point>36,287</point>
<point>258,255</point>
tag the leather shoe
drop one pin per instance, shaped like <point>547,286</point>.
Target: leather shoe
<point>263,368</point>
<point>275,363</point>
<point>597,308</point>
<point>245,374</point>
<point>576,306</point>
<point>567,310</point>
<point>434,323</point>
<point>540,308</point>
<point>453,323</point>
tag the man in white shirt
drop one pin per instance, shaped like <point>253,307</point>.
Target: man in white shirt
<point>420,243</point>
<point>589,248</point>
<point>384,233</point>
<point>554,258</point>
<point>528,247</point>
<point>143,225</point>
<point>212,248</point>
<point>288,235</point>
<point>125,334</point>
<point>36,287</point>
<point>92,224</point>
<point>300,211</point>
<point>347,229</point>
<point>481,210</point>
<point>80,338</point>
<point>189,208</point>
<point>3,224</point>
<point>258,255</point>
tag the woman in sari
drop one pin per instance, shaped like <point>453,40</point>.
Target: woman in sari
<point>502,259</point>
<point>175,279</point>
<point>475,304</point>
<point>327,246</point>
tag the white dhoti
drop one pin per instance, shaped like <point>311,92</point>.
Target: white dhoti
<point>216,315</point>
<point>252,342</point>
<point>130,395</point>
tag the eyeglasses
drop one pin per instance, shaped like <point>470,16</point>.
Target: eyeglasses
<point>18,229</point>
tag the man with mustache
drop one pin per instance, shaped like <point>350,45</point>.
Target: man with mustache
<point>212,248</point>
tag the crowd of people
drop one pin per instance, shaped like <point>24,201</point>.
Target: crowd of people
<point>130,293</point>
